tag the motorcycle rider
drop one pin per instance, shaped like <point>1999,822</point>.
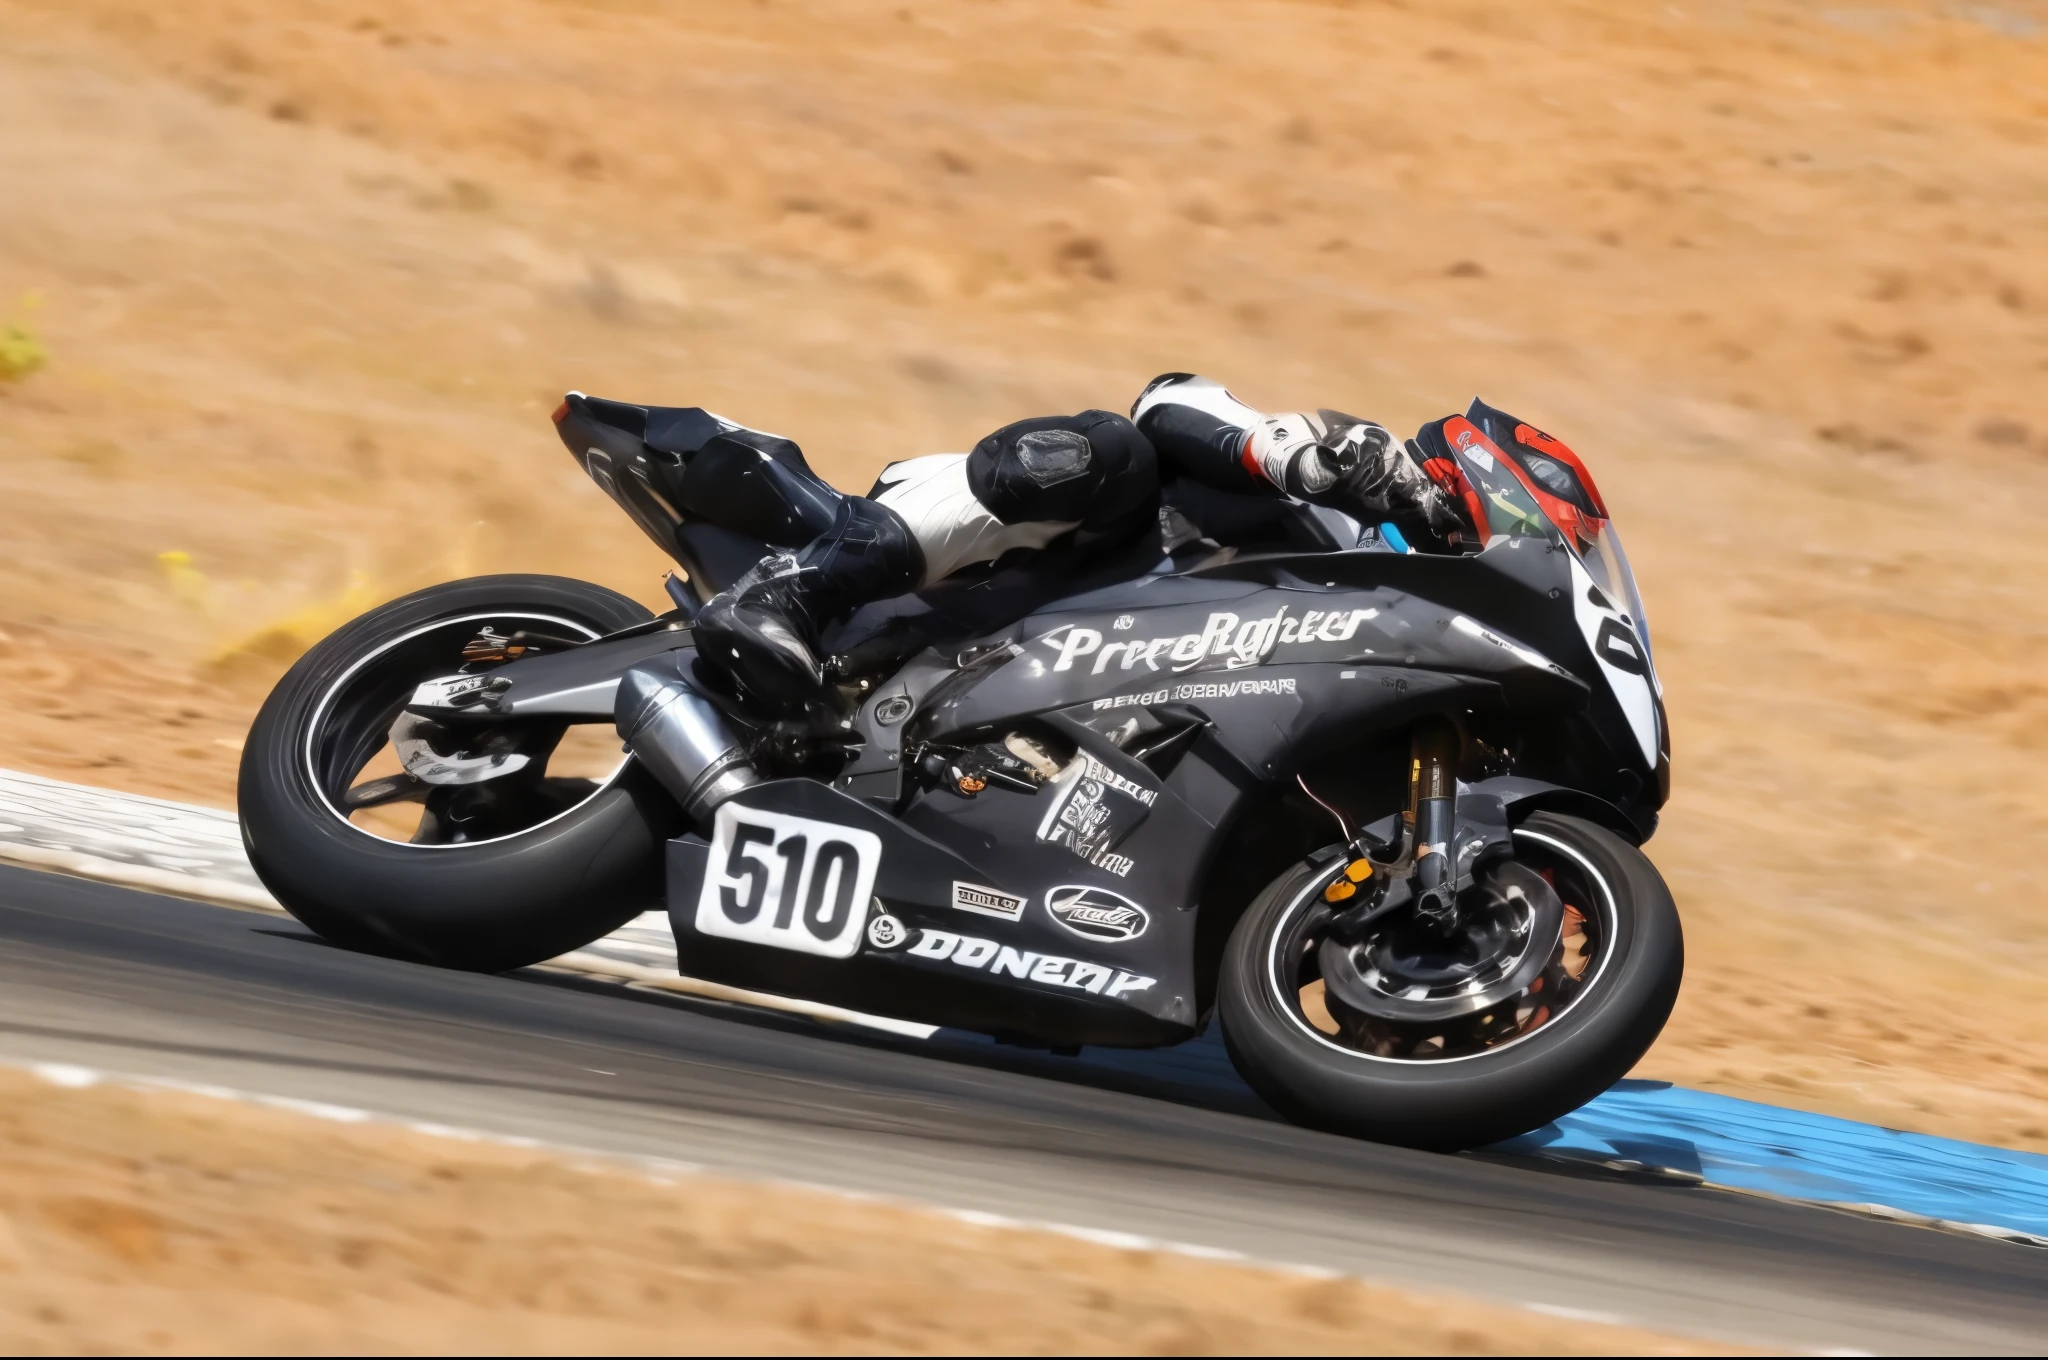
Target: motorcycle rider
<point>1087,479</point>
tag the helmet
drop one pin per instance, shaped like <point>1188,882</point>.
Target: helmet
<point>1510,477</point>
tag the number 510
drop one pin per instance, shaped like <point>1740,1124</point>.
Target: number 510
<point>820,873</point>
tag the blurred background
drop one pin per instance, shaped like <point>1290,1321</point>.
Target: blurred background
<point>287,291</point>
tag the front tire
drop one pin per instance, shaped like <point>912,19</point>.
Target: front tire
<point>501,901</point>
<point>1322,1076</point>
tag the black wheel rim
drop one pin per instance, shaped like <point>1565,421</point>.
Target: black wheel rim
<point>349,729</point>
<point>1573,967</point>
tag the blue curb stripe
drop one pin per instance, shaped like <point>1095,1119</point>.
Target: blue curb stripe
<point>1741,1145</point>
<point>1685,1136</point>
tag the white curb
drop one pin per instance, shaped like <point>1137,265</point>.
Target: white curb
<point>190,851</point>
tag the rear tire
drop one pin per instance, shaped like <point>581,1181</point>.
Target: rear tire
<point>484,906</point>
<point>1485,1097</point>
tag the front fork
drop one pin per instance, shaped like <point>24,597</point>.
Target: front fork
<point>1427,855</point>
<point>1431,817</point>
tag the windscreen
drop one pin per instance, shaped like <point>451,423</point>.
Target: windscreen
<point>1607,563</point>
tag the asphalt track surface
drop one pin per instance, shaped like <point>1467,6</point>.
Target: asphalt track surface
<point>159,987</point>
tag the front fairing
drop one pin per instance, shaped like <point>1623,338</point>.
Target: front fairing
<point>1322,647</point>
<point>1526,486</point>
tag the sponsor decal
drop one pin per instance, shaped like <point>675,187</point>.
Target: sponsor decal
<point>1124,623</point>
<point>886,932</point>
<point>1093,771</point>
<point>1217,689</point>
<point>459,691</point>
<point>1240,642</point>
<point>1050,970</point>
<point>1093,807</point>
<point>987,901</point>
<point>1120,865</point>
<point>1096,912</point>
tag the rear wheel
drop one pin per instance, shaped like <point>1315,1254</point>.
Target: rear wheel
<point>486,876</point>
<point>1538,1003</point>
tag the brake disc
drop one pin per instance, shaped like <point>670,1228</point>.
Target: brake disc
<point>1509,926</point>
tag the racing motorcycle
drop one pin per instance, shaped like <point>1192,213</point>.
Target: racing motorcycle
<point>1377,811</point>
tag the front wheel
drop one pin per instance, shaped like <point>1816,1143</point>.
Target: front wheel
<point>1553,1025</point>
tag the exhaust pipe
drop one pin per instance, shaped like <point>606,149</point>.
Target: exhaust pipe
<point>679,735</point>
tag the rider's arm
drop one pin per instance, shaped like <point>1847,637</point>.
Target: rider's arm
<point>1205,434</point>
<point>1202,433</point>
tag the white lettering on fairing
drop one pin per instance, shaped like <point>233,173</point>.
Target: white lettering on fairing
<point>1051,969</point>
<point>1246,642</point>
<point>1215,689</point>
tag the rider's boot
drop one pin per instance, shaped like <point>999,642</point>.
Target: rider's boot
<point>762,632</point>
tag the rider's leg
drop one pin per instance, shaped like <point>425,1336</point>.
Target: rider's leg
<point>1023,486</point>
<point>763,629</point>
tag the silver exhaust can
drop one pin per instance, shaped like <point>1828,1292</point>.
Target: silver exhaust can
<point>679,735</point>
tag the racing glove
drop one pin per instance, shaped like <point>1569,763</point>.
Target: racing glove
<point>1378,477</point>
<point>1351,465</point>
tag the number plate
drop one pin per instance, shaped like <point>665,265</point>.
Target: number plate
<point>789,882</point>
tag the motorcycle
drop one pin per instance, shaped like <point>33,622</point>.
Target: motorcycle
<point>1379,812</point>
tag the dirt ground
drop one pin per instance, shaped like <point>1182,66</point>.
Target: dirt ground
<point>171,1224</point>
<point>311,274</point>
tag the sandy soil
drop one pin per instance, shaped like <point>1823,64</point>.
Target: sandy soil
<point>172,1224</point>
<point>312,274</point>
